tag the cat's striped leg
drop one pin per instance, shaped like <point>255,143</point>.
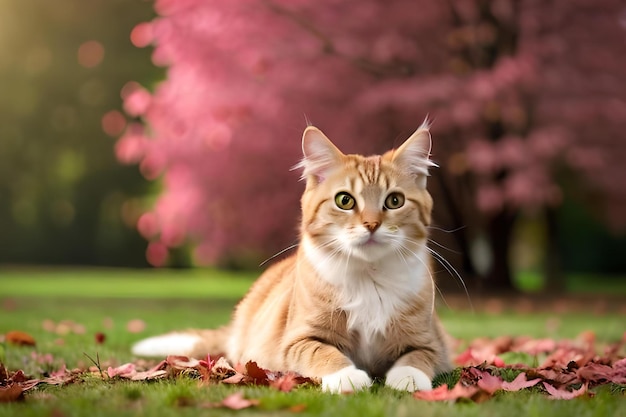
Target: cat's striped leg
<point>313,357</point>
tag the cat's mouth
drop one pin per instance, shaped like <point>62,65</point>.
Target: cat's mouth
<point>369,241</point>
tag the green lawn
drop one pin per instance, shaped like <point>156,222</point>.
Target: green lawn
<point>106,300</point>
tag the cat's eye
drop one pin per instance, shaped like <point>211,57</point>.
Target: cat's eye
<point>344,201</point>
<point>394,201</point>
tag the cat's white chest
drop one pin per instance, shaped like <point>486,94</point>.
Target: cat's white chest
<point>373,293</point>
<point>373,296</point>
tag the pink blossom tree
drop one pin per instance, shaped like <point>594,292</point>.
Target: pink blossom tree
<point>518,93</point>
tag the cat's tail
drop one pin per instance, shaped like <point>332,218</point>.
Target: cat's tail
<point>191,343</point>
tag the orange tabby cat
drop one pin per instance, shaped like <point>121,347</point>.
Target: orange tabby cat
<point>356,301</point>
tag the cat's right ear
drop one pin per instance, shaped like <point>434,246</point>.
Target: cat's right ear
<point>320,156</point>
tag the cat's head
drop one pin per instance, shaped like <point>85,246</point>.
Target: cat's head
<point>366,207</point>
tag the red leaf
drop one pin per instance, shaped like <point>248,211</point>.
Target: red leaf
<point>11,393</point>
<point>536,346</point>
<point>595,372</point>
<point>123,371</point>
<point>19,376</point>
<point>442,393</point>
<point>520,382</point>
<point>619,372</point>
<point>205,367</point>
<point>181,362</point>
<point>557,375</point>
<point>234,379</point>
<point>234,401</point>
<point>207,364</point>
<point>286,382</point>
<point>489,383</point>
<point>561,394</point>
<point>136,326</point>
<point>30,384</point>
<point>298,408</point>
<point>158,367</point>
<point>474,357</point>
<point>100,338</point>
<point>149,375</point>
<point>258,375</point>
<point>17,337</point>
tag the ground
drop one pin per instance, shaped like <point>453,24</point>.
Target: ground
<point>81,318</point>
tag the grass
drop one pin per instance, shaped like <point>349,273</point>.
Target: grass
<point>106,300</point>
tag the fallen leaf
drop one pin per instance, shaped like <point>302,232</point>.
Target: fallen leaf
<point>562,394</point>
<point>237,401</point>
<point>256,374</point>
<point>17,337</point>
<point>123,371</point>
<point>222,369</point>
<point>78,328</point>
<point>60,373</point>
<point>11,393</point>
<point>159,366</point>
<point>208,364</point>
<point>442,393</point>
<point>234,401</point>
<point>49,325</point>
<point>4,373</point>
<point>181,362</point>
<point>619,372</point>
<point>594,372</point>
<point>489,383</point>
<point>234,379</point>
<point>148,375</point>
<point>520,382</point>
<point>555,375</point>
<point>30,384</point>
<point>108,323</point>
<point>474,357</point>
<point>136,326</point>
<point>284,383</point>
<point>298,408</point>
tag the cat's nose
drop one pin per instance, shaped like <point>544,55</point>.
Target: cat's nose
<point>372,226</point>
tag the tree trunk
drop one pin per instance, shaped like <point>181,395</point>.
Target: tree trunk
<point>499,278</point>
<point>455,213</point>
<point>555,280</point>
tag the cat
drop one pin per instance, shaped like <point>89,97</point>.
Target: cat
<point>356,301</point>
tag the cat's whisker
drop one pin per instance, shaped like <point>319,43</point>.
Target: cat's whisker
<point>434,242</point>
<point>445,230</point>
<point>330,257</point>
<point>288,248</point>
<point>401,255</point>
<point>447,266</point>
<point>430,274</point>
<point>415,255</point>
<point>453,272</point>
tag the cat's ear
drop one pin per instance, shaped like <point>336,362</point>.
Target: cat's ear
<point>414,154</point>
<point>320,156</point>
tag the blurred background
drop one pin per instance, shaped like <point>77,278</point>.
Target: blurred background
<point>161,134</point>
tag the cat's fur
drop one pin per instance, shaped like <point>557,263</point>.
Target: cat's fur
<point>356,301</point>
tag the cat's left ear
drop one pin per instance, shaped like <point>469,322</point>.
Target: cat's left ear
<point>320,156</point>
<point>414,154</point>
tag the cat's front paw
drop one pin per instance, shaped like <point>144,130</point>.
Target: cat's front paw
<point>408,378</point>
<point>348,379</point>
